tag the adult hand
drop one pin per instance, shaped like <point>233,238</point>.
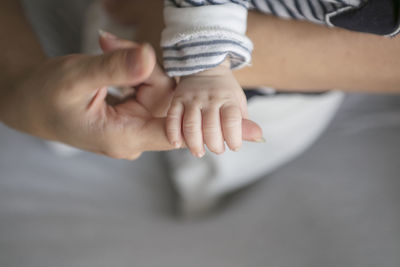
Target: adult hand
<point>155,93</point>
<point>64,100</point>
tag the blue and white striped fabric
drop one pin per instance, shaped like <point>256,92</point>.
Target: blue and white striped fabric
<point>201,34</point>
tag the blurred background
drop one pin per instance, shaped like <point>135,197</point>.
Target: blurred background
<point>336,205</point>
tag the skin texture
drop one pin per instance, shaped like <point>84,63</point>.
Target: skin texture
<point>193,118</point>
<point>64,99</point>
<point>295,55</point>
<point>301,56</point>
<point>321,59</point>
<point>207,108</point>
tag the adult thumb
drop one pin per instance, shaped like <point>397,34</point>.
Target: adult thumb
<point>252,132</point>
<point>124,67</point>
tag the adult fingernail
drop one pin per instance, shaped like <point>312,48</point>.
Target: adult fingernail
<point>107,35</point>
<point>260,140</point>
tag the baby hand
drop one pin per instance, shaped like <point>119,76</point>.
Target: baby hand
<point>155,94</point>
<point>207,108</point>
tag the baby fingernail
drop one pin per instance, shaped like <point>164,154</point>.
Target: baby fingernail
<point>176,144</point>
<point>107,35</point>
<point>200,154</point>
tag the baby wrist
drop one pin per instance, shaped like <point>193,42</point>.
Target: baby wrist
<point>221,69</point>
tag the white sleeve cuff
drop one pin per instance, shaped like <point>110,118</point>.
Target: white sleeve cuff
<point>200,38</point>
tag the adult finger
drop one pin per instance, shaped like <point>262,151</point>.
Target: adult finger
<point>125,67</point>
<point>109,42</point>
<point>252,132</point>
<point>154,137</point>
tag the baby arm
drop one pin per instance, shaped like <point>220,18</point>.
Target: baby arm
<point>207,108</point>
<point>209,104</point>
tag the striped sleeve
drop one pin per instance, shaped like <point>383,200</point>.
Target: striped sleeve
<point>200,35</point>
